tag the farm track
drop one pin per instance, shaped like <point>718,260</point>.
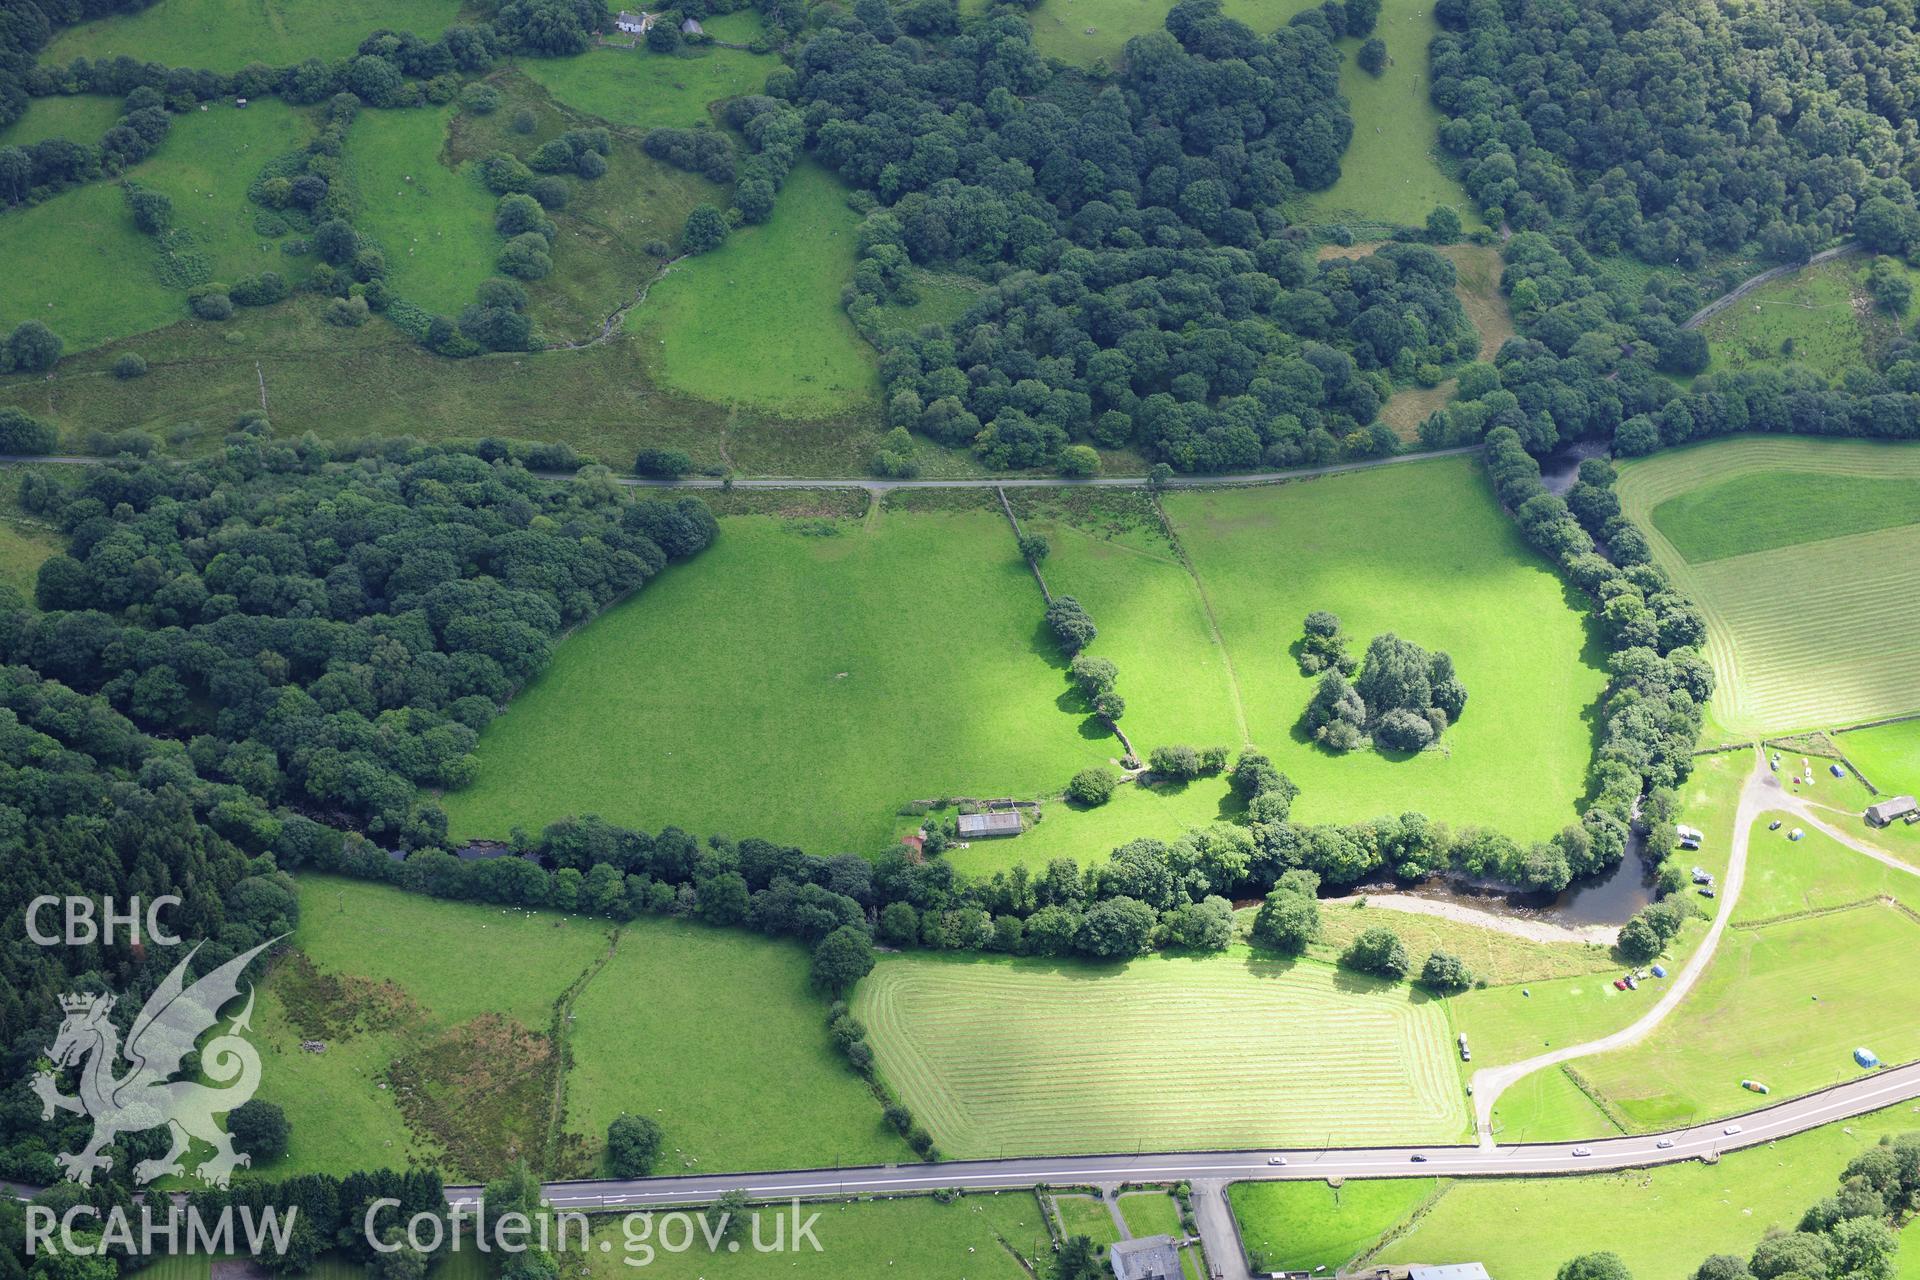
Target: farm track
<point>1766,277</point>
<point>878,486</point>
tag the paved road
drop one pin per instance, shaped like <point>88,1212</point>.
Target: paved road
<point>1751,283</point>
<point>876,485</point>
<point>1761,792</point>
<point>1857,1097</point>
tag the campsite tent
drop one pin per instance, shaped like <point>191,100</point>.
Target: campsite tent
<point>1866,1057</point>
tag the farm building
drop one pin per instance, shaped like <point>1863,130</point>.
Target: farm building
<point>1451,1271</point>
<point>977,826</point>
<point>637,23</point>
<point>1887,812</point>
<point>1148,1258</point>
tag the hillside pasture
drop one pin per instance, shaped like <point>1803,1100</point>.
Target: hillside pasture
<point>1888,754</point>
<point>1305,1226</point>
<point>78,263</point>
<point>77,117</point>
<point>1007,1057</point>
<point>704,327</point>
<point>799,681</point>
<point>637,89</point>
<point>225,35</point>
<point>434,223</point>
<point>1821,316</point>
<point>1812,627</point>
<point>1393,173</point>
<point>1422,550</point>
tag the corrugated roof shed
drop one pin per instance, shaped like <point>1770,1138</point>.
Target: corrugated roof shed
<point>1451,1271</point>
<point>1148,1258</point>
<point>1001,822</point>
<point>1888,810</point>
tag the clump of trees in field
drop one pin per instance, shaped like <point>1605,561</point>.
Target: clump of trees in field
<point>1323,646</point>
<point>1403,699</point>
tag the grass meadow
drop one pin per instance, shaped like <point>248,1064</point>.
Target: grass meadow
<point>1888,754</point>
<point>78,263</point>
<point>79,117</point>
<point>998,1236</point>
<point>1304,1226</point>
<point>1422,550</point>
<point>1821,316</point>
<point>1083,31</point>
<point>1161,811</point>
<point>434,223</point>
<point>1392,172</point>
<point>1010,1057</point>
<point>225,35</point>
<point>1804,584</point>
<point>1086,1215</point>
<point>642,90</point>
<point>704,326</point>
<point>718,1036</point>
<point>1499,958</point>
<point>425,1062</point>
<point>1660,1221</point>
<point>800,681</point>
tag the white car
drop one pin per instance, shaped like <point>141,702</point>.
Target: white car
<point>1664,1143</point>
<point>1276,1159</point>
<point>1731,1129</point>
<point>1583,1151</point>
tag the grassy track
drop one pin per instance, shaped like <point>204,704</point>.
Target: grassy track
<point>1661,1222</point>
<point>797,688</point>
<point>648,90</point>
<point>1008,1057</point>
<point>704,327</point>
<point>434,224</point>
<point>1811,633</point>
<point>981,1237</point>
<point>80,117</point>
<point>1423,551</point>
<point>1391,173</point>
<point>1303,1226</point>
<point>225,35</point>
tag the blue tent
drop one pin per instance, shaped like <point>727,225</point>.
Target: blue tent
<point>1866,1057</point>
<point>1836,771</point>
<point>1659,971</point>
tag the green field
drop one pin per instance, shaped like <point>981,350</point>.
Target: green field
<point>1392,171</point>
<point>1303,1226</point>
<point>717,1034</point>
<point>1815,631</point>
<point>1081,31</point>
<point>705,326</point>
<point>1766,510</point>
<point>1496,957</point>
<point>1662,1222</point>
<point>24,545</point>
<point>1151,1213</point>
<point>1822,317</point>
<point>1888,754</point>
<point>797,687</point>
<point>643,90</point>
<point>225,35</point>
<point>1162,811</point>
<point>78,263</point>
<point>80,117</point>
<point>434,224</point>
<point>427,1059</point>
<point>1153,625</point>
<point>1000,1236</point>
<point>1008,1057</point>
<point>1422,550</point>
<point>1088,1216</point>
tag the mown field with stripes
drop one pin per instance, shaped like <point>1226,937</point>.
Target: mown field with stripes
<point>1813,629</point>
<point>1007,1057</point>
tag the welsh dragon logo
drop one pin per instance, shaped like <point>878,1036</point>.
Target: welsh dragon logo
<point>171,1021</point>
